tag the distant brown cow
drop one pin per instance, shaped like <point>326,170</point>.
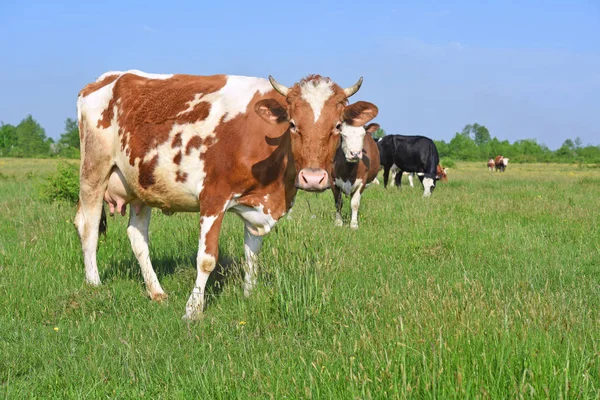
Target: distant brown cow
<point>491,164</point>
<point>352,176</point>
<point>500,163</point>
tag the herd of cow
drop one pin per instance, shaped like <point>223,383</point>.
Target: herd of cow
<point>212,144</point>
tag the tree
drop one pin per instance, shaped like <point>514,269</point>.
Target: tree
<point>31,138</point>
<point>379,133</point>
<point>70,137</point>
<point>461,147</point>
<point>479,133</point>
<point>8,138</point>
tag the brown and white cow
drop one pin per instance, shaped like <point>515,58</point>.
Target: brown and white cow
<point>352,176</point>
<point>500,163</point>
<point>491,164</point>
<point>206,144</point>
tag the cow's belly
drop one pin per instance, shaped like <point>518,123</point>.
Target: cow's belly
<point>167,194</point>
<point>258,220</point>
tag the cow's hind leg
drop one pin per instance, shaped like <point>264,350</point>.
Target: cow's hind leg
<point>386,176</point>
<point>337,196</point>
<point>93,182</point>
<point>252,245</point>
<point>355,204</point>
<point>208,251</point>
<point>398,179</point>
<point>138,235</point>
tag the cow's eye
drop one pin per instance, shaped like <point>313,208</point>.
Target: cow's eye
<point>293,127</point>
<point>338,127</point>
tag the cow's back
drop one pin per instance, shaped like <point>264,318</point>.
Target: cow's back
<point>174,137</point>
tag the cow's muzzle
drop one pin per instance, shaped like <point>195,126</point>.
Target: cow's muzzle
<point>313,180</point>
<point>355,156</point>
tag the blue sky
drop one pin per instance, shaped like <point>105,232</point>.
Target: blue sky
<point>528,69</point>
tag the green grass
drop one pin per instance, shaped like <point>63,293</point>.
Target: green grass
<point>489,289</point>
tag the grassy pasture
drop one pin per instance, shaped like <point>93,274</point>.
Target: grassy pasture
<point>489,289</point>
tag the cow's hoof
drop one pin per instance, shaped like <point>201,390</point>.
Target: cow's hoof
<point>194,309</point>
<point>339,222</point>
<point>354,225</point>
<point>159,297</point>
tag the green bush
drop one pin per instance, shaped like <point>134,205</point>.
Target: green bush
<point>447,162</point>
<point>62,185</point>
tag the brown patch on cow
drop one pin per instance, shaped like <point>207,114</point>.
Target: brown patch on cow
<point>147,172</point>
<point>498,159</point>
<point>177,158</point>
<point>92,87</point>
<point>177,142</point>
<point>194,143</point>
<point>181,176</point>
<point>148,109</point>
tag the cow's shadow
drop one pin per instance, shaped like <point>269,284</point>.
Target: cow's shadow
<point>228,270</point>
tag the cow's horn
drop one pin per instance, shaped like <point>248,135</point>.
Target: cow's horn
<point>278,86</point>
<point>353,89</point>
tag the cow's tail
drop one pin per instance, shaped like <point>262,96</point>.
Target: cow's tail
<point>103,224</point>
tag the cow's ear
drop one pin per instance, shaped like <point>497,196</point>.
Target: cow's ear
<point>360,113</point>
<point>271,111</point>
<point>372,128</point>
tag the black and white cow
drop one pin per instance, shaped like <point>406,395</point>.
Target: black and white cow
<point>411,154</point>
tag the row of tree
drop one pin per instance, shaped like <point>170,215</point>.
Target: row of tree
<point>473,143</point>
<point>28,139</point>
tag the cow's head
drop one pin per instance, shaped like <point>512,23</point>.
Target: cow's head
<point>318,113</point>
<point>441,173</point>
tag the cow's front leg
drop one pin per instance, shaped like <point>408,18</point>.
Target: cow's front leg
<point>337,197</point>
<point>355,204</point>
<point>252,245</point>
<point>208,251</point>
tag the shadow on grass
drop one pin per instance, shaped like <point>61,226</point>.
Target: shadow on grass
<point>227,271</point>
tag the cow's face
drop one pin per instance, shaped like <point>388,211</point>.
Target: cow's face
<point>318,116</point>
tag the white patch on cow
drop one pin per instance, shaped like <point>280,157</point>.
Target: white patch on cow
<point>347,187</point>
<point>355,204</point>
<point>505,161</point>
<point>135,72</point>
<point>258,222</point>
<point>252,245</point>
<point>316,93</point>
<point>427,185</point>
<point>353,139</point>
<point>192,104</point>
<point>237,93</point>
<point>206,223</point>
<point>411,180</point>
<point>94,105</point>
